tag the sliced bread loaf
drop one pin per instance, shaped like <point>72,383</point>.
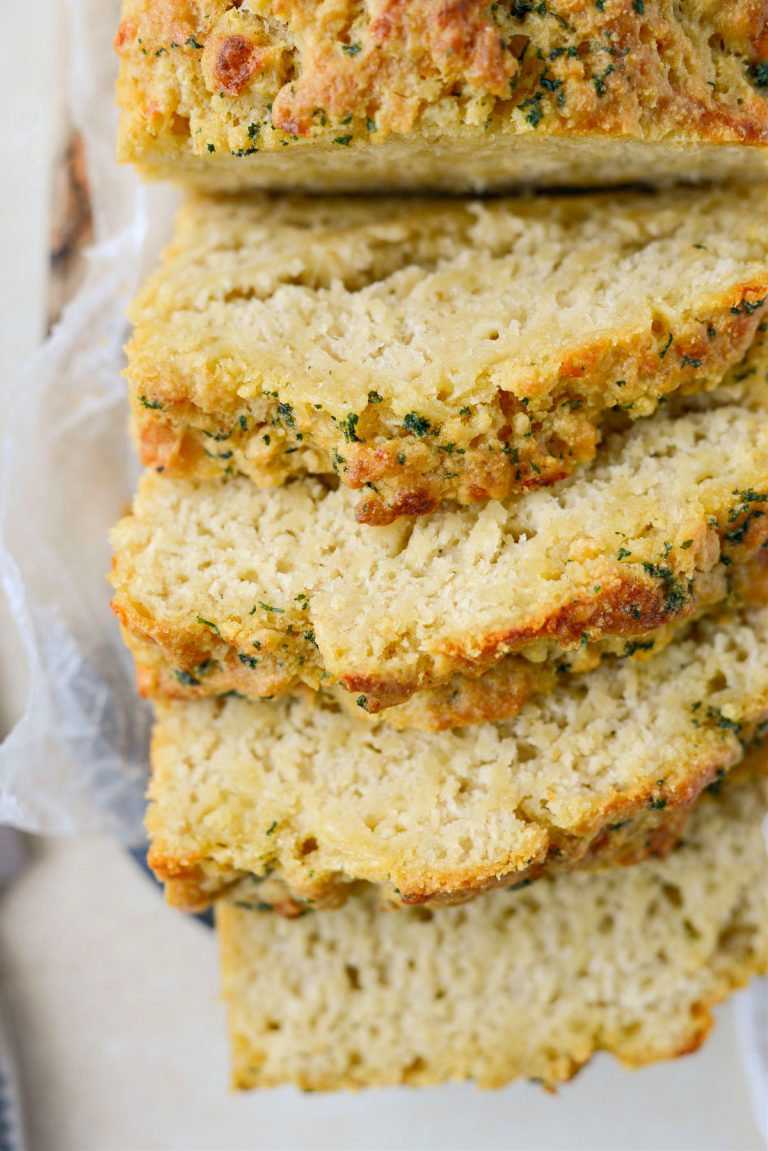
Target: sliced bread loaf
<point>454,95</point>
<point>602,770</point>
<point>255,592</point>
<point>430,351</point>
<point>529,985</point>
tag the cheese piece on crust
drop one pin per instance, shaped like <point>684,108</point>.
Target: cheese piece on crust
<point>255,592</point>
<point>601,771</point>
<point>527,985</point>
<point>280,93</point>
<point>431,351</point>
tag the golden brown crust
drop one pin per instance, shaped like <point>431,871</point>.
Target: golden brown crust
<point>194,76</point>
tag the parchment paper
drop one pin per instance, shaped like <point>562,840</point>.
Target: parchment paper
<point>77,759</point>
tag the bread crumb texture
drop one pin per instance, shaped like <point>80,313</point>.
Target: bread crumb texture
<point>528,984</point>
<point>436,350</point>
<point>223,587</point>
<point>602,770</point>
<point>353,94</point>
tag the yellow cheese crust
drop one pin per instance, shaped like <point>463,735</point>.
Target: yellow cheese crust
<point>435,92</point>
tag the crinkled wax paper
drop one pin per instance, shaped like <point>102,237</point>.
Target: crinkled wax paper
<point>77,759</point>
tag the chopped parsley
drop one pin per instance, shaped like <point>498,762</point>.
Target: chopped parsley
<point>210,624</point>
<point>674,590</point>
<point>351,49</point>
<point>599,81</point>
<point>417,425</point>
<point>153,405</point>
<point>285,412</point>
<point>666,347</point>
<point>757,72</point>
<point>748,307</point>
<point>349,428</point>
<point>633,646</point>
<point>745,507</point>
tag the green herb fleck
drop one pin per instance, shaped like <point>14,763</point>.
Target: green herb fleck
<point>417,425</point>
<point>758,73</point>
<point>349,428</point>
<point>210,624</point>
<point>285,412</point>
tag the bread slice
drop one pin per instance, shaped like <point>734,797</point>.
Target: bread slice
<point>458,96</point>
<point>255,592</point>
<point>602,770</point>
<point>527,985</point>
<point>430,351</point>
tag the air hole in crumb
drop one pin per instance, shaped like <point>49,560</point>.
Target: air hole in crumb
<point>672,894</point>
<point>180,125</point>
<point>308,846</point>
<point>353,976</point>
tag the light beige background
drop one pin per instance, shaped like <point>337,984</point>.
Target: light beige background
<point>112,997</point>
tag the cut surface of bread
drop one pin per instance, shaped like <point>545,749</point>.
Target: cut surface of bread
<point>528,984</point>
<point>471,95</point>
<point>222,587</point>
<point>436,350</point>
<point>602,770</point>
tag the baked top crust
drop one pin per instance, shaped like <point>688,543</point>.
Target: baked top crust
<point>333,94</point>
